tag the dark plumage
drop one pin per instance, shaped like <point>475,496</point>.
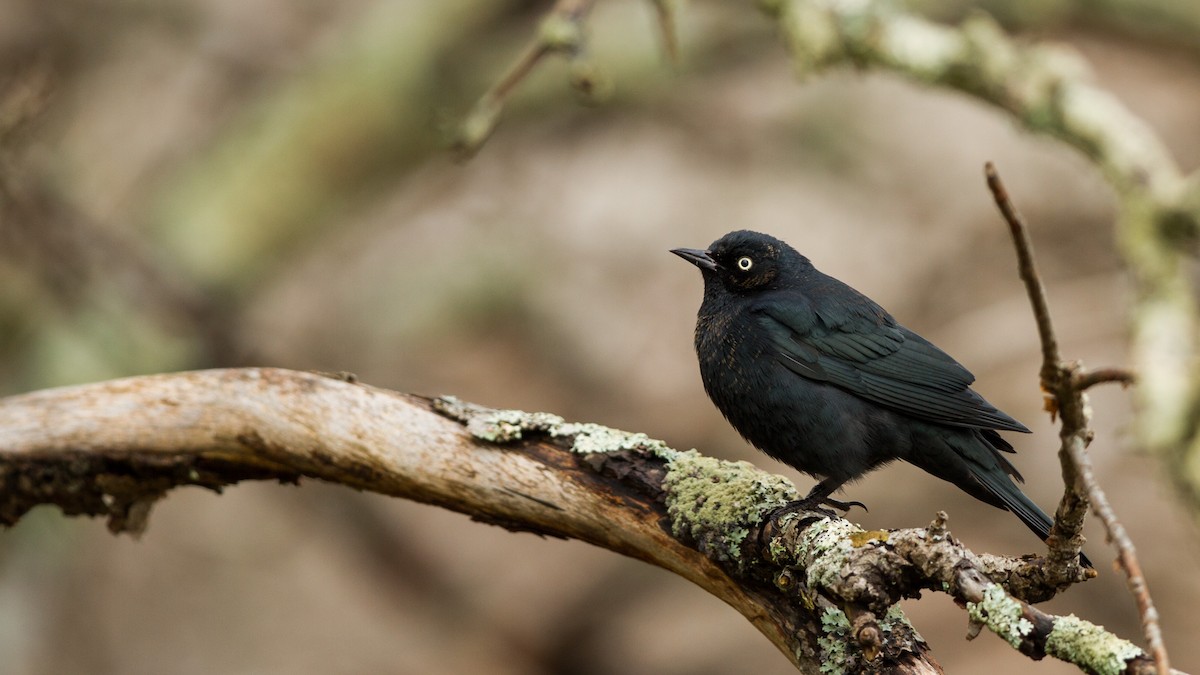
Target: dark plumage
<point>818,376</point>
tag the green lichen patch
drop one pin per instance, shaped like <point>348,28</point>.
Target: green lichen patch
<point>840,650</point>
<point>506,426</point>
<point>1001,613</point>
<point>1085,644</point>
<point>714,503</point>
<point>834,642</point>
<point>495,426</point>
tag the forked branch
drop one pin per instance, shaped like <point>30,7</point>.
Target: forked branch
<point>1066,383</point>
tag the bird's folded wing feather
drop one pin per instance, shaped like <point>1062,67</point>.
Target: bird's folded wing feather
<point>858,347</point>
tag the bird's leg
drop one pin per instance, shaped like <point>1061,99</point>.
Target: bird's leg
<point>812,502</point>
<point>820,492</point>
<point>817,498</point>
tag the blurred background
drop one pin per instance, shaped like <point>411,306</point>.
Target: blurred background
<point>189,184</point>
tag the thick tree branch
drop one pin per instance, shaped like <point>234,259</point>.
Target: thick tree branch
<point>820,589</point>
<point>116,447</point>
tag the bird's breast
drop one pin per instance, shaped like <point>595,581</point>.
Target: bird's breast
<point>733,357</point>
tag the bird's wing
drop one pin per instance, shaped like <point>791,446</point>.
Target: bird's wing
<point>858,347</point>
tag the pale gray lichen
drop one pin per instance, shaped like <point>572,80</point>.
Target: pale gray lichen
<point>714,503</point>
<point>559,32</point>
<point>811,32</point>
<point>833,641</point>
<point>505,426</point>
<point>1001,613</point>
<point>495,426</point>
<point>823,550</point>
<point>589,438</point>
<point>927,48</point>
<point>1085,644</point>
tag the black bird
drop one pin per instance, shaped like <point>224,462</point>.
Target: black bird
<point>818,376</point>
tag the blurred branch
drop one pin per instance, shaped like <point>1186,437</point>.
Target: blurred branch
<point>1173,21</point>
<point>1046,87</point>
<point>666,11</point>
<point>69,253</point>
<point>25,93</point>
<point>1066,382</point>
<point>342,126</point>
<point>73,256</point>
<point>560,32</point>
<point>1171,24</point>
<point>822,590</point>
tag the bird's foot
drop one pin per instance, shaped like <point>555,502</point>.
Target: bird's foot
<point>814,505</point>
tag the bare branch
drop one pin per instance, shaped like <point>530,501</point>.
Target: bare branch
<point>1127,557</point>
<point>1027,268</point>
<point>1087,380</point>
<point>561,31</point>
<point>1066,383</point>
<point>1066,537</point>
<point>666,11</point>
<point>114,448</point>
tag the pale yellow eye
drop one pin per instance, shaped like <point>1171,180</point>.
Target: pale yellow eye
<point>744,264</point>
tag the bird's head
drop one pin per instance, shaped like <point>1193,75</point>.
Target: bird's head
<point>745,261</point>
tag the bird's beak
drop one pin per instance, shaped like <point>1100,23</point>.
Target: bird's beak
<point>697,257</point>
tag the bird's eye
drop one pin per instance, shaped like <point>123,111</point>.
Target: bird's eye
<point>744,263</point>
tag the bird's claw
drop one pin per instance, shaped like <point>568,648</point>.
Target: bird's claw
<point>843,506</point>
<point>815,506</point>
<point>811,504</point>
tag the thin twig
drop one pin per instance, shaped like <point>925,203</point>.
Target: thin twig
<point>560,31</point>
<point>1028,271</point>
<point>1127,556</point>
<point>1088,379</point>
<point>1067,382</point>
<point>665,10</point>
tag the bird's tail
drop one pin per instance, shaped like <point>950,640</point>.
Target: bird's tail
<point>997,480</point>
